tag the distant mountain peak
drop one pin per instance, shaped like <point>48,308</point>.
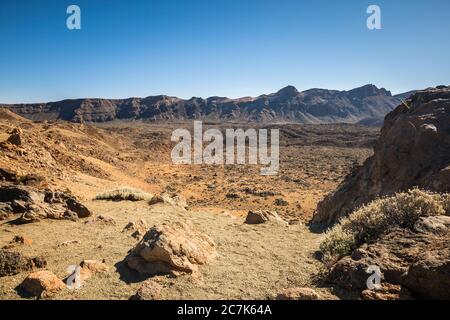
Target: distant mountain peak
<point>289,91</point>
<point>369,90</point>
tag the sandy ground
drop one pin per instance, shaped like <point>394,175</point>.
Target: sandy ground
<point>254,262</point>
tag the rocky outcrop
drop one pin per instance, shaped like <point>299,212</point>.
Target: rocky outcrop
<point>413,150</point>
<point>416,260</point>
<point>286,105</point>
<point>172,249</point>
<point>34,204</point>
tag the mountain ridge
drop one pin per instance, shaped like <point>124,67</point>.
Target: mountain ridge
<point>366,104</point>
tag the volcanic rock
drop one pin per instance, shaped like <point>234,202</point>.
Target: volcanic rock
<point>42,284</point>
<point>413,150</point>
<point>12,263</point>
<point>258,217</point>
<point>171,248</point>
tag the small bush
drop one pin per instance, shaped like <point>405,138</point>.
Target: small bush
<point>337,243</point>
<point>124,193</point>
<point>370,221</point>
<point>446,203</point>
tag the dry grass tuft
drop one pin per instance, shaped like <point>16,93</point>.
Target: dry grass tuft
<point>124,193</point>
<point>370,221</point>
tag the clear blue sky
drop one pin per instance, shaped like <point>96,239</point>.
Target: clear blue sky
<point>217,47</point>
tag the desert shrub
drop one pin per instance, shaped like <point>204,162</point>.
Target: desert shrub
<point>446,203</point>
<point>124,193</point>
<point>337,243</point>
<point>370,221</point>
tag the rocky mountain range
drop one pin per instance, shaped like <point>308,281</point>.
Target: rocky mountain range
<point>366,105</point>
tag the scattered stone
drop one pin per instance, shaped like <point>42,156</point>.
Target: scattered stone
<point>232,195</point>
<point>22,240</point>
<point>77,207</point>
<point>281,202</point>
<point>86,269</point>
<point>104,220</point>
<point>32,179</point>
<point>92,267</point>
<point>29,217</point>
<point>387,291</point>
<point>149,290</point>
<point>12,262</point>
<point>8,175</point>
<point>258,217</point>
<point>70,215</point>
<point>16,137</point>
<point>172,249</point>
<point>175,200</point>
<point>138,228</point>
<point>5,210</point>
<point>298,294</point>
<point>67,243</point>
<point>42,284</point>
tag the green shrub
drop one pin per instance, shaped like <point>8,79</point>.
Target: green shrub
<point>124,193</point>
<point>370,221</point>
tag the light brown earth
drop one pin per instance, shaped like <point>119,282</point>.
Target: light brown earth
<point>255,261</point>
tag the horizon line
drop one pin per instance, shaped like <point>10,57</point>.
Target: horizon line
<point>204,98</point>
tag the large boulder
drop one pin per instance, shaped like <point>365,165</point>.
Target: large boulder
<point>172,248</point>
<point>42,284</point>
<point>413,150</point>
<point>263,216</point>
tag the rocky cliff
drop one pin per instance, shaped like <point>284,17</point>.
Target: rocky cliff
<point>367,104</point>
<point>413,150</point>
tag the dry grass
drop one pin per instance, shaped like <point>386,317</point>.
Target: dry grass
<point>370,221</point>
<point>124,193</point>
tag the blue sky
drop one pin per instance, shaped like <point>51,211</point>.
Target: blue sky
<point>217,47</point>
